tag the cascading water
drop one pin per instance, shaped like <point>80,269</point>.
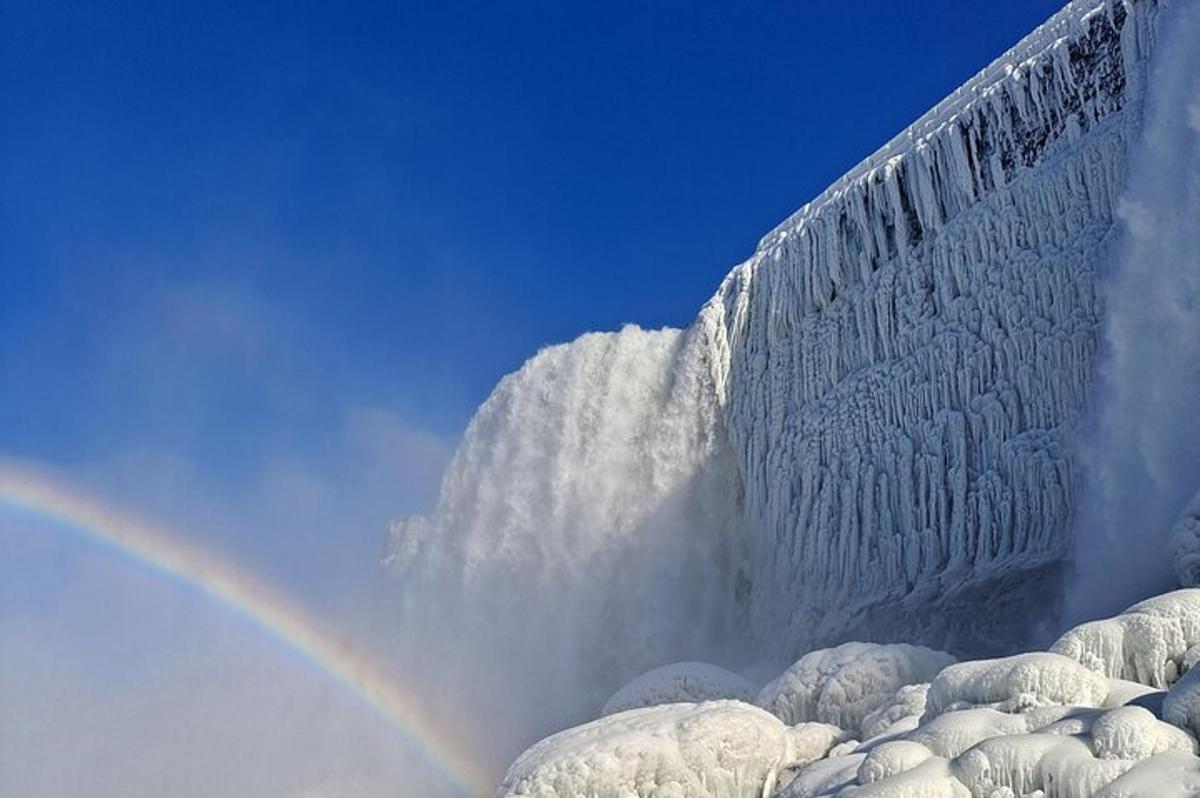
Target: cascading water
<point>1143,455</point>
<point>588,528</point>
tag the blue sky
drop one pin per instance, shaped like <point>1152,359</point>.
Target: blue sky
<point>260,262</point>
<point>404,200</point>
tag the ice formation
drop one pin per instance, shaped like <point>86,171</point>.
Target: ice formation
<point>1034,725</point>
<point>844,685</point>
<point>869,432</point>
<point>1147,643</point>
<point>721,749</point>
<point>688,682</point>
<point>1015,683</point>
<point>905,361</point>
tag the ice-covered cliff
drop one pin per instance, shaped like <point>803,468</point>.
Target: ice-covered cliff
<point>867,433</point>
<point>905,360</point>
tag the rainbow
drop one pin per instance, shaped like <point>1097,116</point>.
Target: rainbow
<point>24,489</point>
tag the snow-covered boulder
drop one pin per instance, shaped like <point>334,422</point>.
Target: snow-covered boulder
<point>681,682</point>
<point>950,734</point>
<point>1134,733</point>
<point>843,685</point>
<point>1173,774</point>
<point>891,758</point>
<point>903,709</point>
<point>1013,684</point>
<point>719,749</point>
<point>1145,644</point>
<point>1061,765</point>
<point>825,777</point>
<point>930,779</point>
<point>1123,691</point>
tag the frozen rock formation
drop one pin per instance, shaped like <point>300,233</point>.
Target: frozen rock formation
<point>904,361</point>
<point>722,749</point>
<point>1147,643</point>
<point>844,685</point>
<point>681,682</point>
<point>1015,683</point>
<point>1029,725</point>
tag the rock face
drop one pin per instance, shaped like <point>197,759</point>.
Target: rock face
<point>904,361</point>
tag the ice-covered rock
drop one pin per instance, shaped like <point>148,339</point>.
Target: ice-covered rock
<point>825,777</point>
<point>844,685</point>
<point>930,779</point>
<point>1134,733</point>
<point>1145,644</point>
<point>1173,774</point>
<point>719,749</point>
<point>906,703</point>
<point>1123,691</point>
<point>891,758</point>
<point>681,683</point>
<point>1012,684</point>
<point>950,734</point>
<point>1059,765</point>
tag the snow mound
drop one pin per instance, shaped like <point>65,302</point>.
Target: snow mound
<point>719,749</point>
<point>1134,733</point>
<point>905,706</point>
<point>1011,684</point>
<point>1146,643</point>
<point>950,734</point>
<point>890,759</point>
<point>681,682</point>
<point>1170,775</point>
<point>844,685</point>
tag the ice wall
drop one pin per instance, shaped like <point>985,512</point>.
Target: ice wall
<point>903,363</point>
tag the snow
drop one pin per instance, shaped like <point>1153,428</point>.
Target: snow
<point>906,703</point>
<point>1014,683</point>
<point>720,749</point>
<point>890,759</point>
<point>844,685</point>
<point>1147,643</point>
<point>1031,724</point>
<point>681,682</point>
<point>1134,733</point>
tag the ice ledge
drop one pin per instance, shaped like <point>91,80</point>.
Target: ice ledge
<point>1071,23</point>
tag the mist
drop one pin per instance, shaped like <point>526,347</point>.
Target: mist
<point>115,680</point>
<point>588,529</point>
<point>1141,453</point>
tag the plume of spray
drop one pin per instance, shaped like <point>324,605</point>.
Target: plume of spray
<point>1142,455</point>
<point>588,529</point>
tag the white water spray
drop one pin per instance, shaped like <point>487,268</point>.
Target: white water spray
<point>1143,456</point>
<point>587,530</point>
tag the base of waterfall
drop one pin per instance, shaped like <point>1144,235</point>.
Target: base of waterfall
<point>1111,710</point>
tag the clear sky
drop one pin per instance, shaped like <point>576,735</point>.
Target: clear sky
<point>259,262</point>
